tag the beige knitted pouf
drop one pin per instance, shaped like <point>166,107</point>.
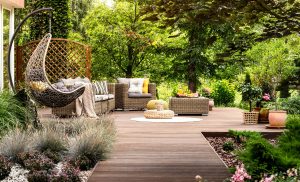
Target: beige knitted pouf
<point>154,114</point>
<point>152,104</point>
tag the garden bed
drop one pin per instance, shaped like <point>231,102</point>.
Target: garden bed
<point>218,139</point>
<point>60,150</point>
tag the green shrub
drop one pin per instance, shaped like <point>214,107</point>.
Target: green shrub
<point>13,143</point>
<point>289,141</point>
<point>260,157</point>
<point>5,167</point>
<point>291,105</point>
<point>94,143</point>
<point>50,142</point>
<point>243,136</point>
<point>228,146</point>
<point>223,93</point>
<point>12,113</point>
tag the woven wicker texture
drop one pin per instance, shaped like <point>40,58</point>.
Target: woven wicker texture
<point>101,107</point>
<point>126,103</point>
<point>154,114</point>
<point>64,59</point>
<point>251,117</point>
<point>189,105</point>
<point>37,83</point>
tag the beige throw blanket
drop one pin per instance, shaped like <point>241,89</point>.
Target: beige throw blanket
<point>85,104</point>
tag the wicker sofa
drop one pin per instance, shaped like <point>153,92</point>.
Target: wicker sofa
<point>101,106</point>
<point>127,101</point>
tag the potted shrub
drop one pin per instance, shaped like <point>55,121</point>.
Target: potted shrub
<point>277,118</point>
<point>250,94</point>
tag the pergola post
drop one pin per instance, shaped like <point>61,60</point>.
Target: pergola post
<point>1,49</point>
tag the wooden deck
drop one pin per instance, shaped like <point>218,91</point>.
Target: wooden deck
<point>168,152</point>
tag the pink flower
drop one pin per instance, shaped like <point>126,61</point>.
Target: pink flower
<point>267,179</point>
<point>240,174</point>
<point>266,97</point>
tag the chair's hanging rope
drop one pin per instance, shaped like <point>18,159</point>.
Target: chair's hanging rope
<point>14,36</point>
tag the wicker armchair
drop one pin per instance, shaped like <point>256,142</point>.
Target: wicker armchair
<point>125,102</point>
<point>101,107</point>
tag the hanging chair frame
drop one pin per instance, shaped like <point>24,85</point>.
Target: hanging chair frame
<point>40,88</point>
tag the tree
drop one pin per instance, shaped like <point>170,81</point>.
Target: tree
<point>123,44</point>
<point>79,10</point>
<point>39,25</point>
<point>274,60</point>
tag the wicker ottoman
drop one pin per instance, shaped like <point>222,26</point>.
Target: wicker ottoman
<point>154,114</point>
<point>198,105</point>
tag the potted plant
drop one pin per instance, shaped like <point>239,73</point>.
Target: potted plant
<point>263,112</point>
<point>277,118</point>
<point>250,94</point>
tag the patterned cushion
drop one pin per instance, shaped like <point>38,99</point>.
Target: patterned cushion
<point>136,85</point>
<point>100,88</point>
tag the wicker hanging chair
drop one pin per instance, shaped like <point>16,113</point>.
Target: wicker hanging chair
<point>37,83</point>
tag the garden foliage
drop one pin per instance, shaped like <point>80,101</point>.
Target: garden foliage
<point>5,167</point>
<point>260,157</point>
<point>291,105</point>
<point>12,113</point>
<point>223,93</point>
<point>39,25</point>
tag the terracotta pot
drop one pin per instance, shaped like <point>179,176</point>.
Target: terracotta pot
<point>277,118</point>
<point>264,114</point>
<point>211,104</point>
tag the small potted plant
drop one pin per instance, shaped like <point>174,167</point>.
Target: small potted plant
<point>250,94</point>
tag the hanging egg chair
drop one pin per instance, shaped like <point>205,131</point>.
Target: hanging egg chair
<point>37,83</point>
<point>39,87</point>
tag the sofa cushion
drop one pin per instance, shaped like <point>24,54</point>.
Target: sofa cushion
<point>123,80</point>
<point>111,96</point>
<point>104,97</point>
<point>145,85</point>
<point>138,95</point>
<point>101,97</point>
<point>100,88</point>
<point>136,85</point>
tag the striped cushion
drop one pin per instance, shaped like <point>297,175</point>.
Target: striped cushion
<point>100,87</point>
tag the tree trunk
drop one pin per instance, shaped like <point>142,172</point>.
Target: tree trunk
<point>192,78</point>
<point>129,67</point>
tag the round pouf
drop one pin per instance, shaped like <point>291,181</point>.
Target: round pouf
<point>154,114</point>
<point>152,104</point>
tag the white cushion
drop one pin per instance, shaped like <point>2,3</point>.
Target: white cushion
<point>104,97</point>
<point>123,80</point>
<point>136,85</point>
<point>101,97</point>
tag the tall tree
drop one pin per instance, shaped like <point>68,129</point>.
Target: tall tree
<point>79,10</point>
<point>123,44</point>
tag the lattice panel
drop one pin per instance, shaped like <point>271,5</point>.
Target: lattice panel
<point>65,59</point>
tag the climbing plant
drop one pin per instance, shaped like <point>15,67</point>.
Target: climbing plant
<point>39,25</point>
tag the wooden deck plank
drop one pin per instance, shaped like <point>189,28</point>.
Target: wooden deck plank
<point>168,152</point>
